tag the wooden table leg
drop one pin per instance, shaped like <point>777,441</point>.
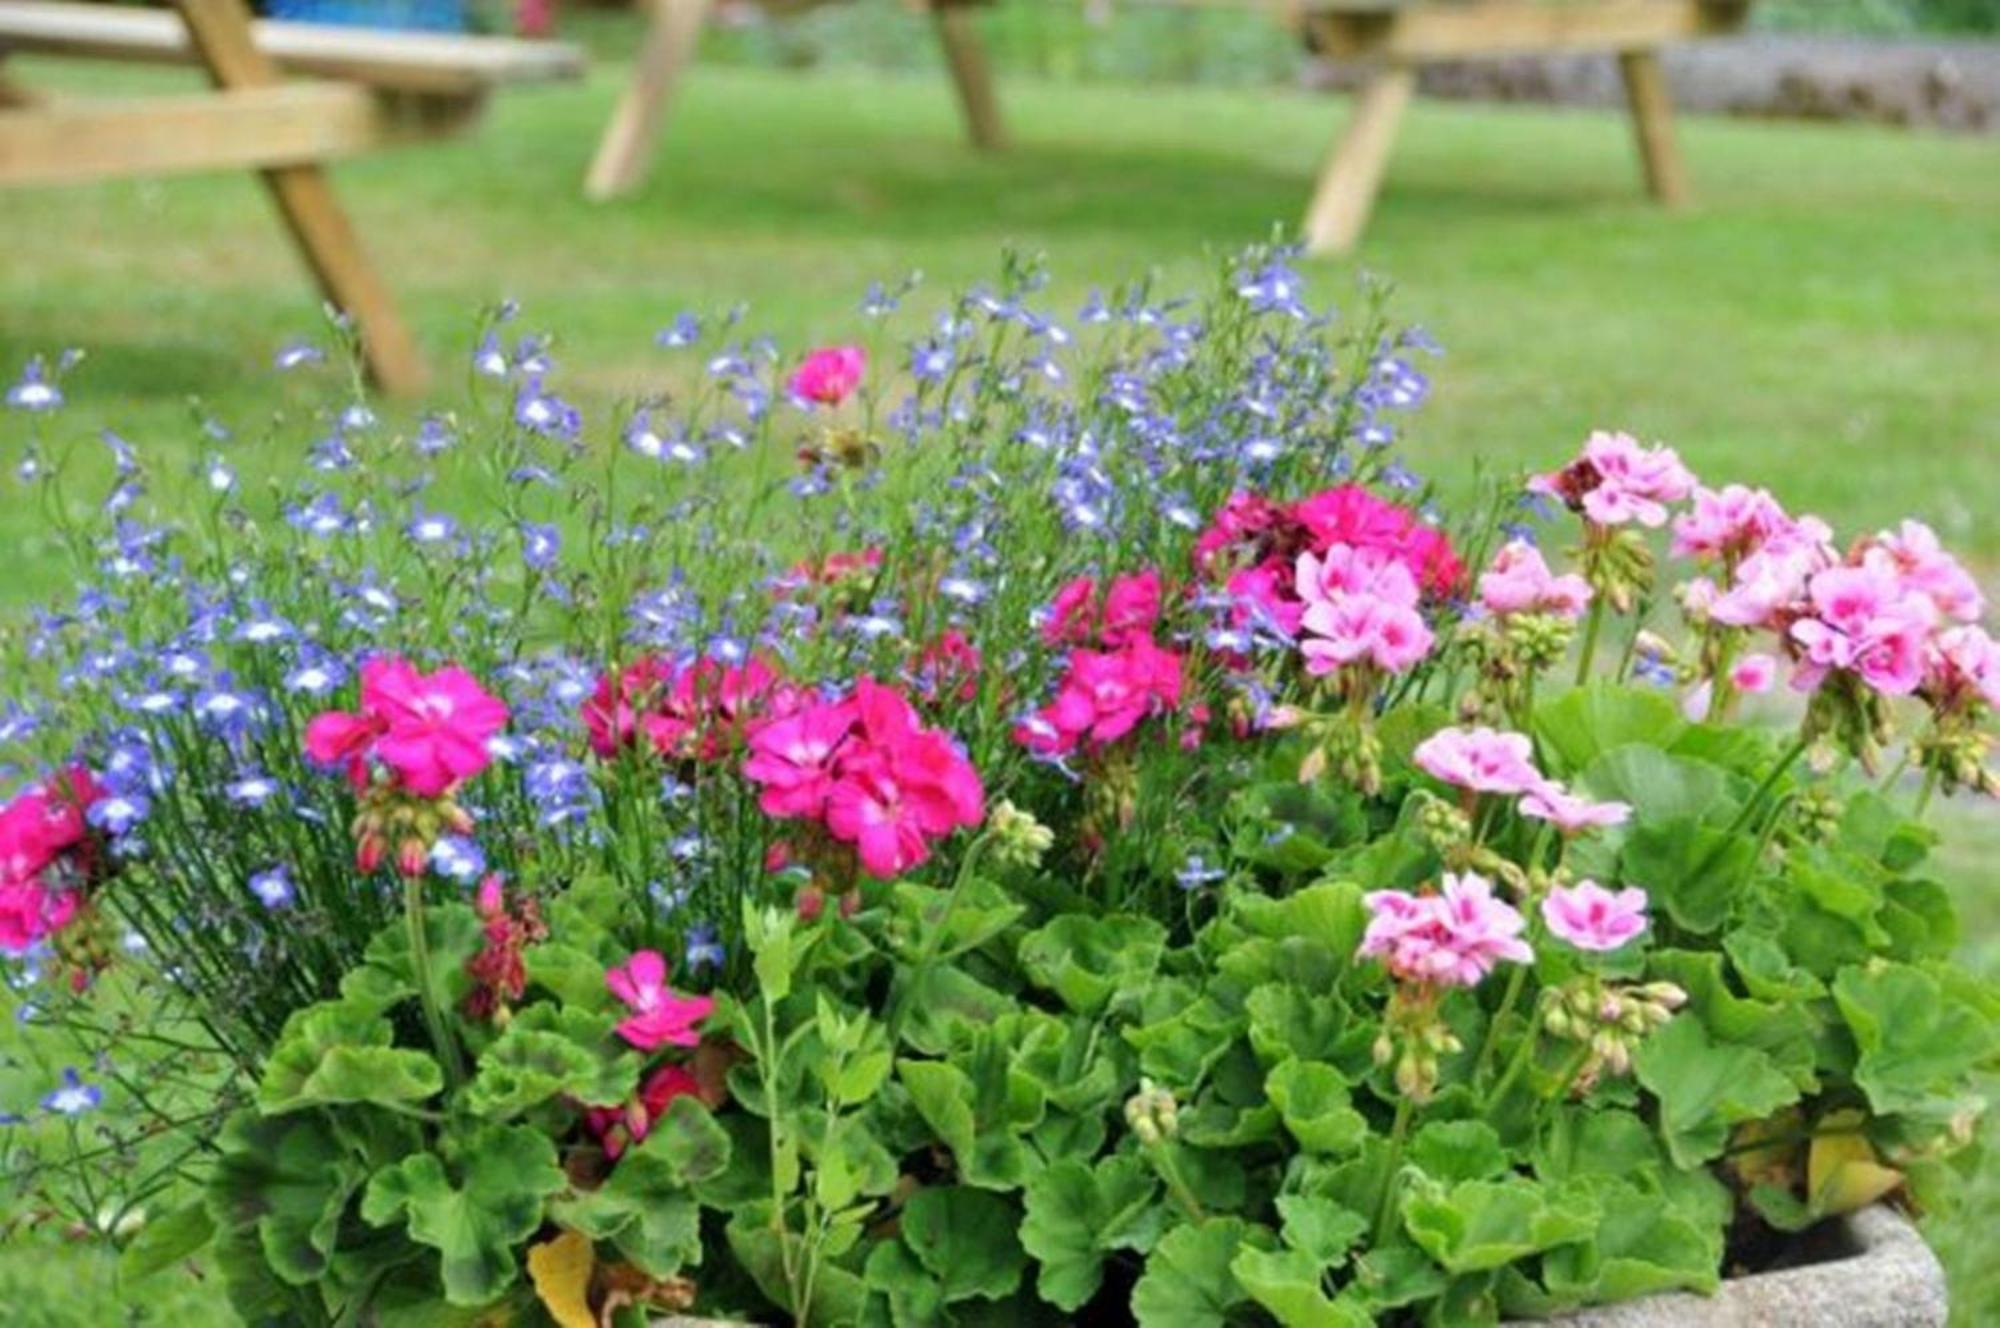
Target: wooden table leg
<point>1653,122</point>
<point>1353,174</point>
<point>220,31</point>
<point>970,75</point>
<point>626,151</point>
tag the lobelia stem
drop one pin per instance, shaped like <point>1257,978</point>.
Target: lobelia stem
<point>420,964</point>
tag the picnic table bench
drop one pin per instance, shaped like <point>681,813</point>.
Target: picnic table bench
<point>366,89</point>
<point>1395,37</point>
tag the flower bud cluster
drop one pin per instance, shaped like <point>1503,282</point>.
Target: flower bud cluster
<point>394,821</point>
<point>1016,838</point>
<point>1611,1020</point>
<point>1416,1038</point>
<point>1153,1113</point>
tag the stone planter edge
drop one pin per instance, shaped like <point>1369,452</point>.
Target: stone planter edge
<point>1892,1280</point>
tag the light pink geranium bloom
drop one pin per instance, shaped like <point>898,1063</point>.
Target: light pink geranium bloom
<point>1569,812</point>
<point>1914,551</point>
<point>1590,917</point>
<point>1360,604</point>
<point>1454,938</point>
<point>1728,522</point>
<point>830,375</point>
<point>1866,621</point>
<point>1481,759</point>
<point>1519,581</point>
<point>1617,481</point>
<point>1963,662</point>
<point>659,1017</point>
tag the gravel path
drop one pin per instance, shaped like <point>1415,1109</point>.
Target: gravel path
<point>1946,85</point>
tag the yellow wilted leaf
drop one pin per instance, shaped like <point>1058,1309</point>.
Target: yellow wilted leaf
<point>561,1269</point>
<point>1842,1171</point>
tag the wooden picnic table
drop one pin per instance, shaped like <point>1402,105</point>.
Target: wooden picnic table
<point>1395,38</point>
<point>367,89</point>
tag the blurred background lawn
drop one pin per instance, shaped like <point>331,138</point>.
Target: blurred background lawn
<point>1824,320</point>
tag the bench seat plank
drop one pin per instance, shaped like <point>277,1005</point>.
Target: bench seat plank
<point>442,64</point>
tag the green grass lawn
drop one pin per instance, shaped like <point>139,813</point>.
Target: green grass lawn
<point>1824,320</point>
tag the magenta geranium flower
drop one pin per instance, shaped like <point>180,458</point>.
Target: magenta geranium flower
<point>431,729</point>
<point>793,759</point>
<point>1104,696</point>
<point>830,375</point>
<point>659,1016</point>
<point>1590,917</point>
<point>1482,760</point>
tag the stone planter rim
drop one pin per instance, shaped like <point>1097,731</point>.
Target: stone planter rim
<point>1892,1280</point>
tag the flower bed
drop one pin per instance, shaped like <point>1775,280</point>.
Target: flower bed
<point>1058,826</point>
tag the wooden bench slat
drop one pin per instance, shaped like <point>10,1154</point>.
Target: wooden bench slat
<point>421,62</point>
<point>70,142</point>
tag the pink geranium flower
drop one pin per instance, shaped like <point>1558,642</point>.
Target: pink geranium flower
<point>830,375</point>
<point>1728,523</point>
<point>30,912</point>
<point>1617,481</point>
<point>1068,620</point>
<point>1519,581</point>
<point>1590,917</point>
<point>1482,760</point>
<point>1962,665</point>
<point>659,1016</point>
<point>1914,552</point>
<point>1453,938</point>
<point>1867,621</point>
<point>1569,812</point>
<point>1130,611</point>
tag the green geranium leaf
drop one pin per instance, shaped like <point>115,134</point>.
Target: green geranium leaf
<point>1694,872</point>
<point>1786,1031</point>
<point>1585,722</point>
<point>1479,1225</point>
<point>913,1296</point>
<point>647,1208</point>
<point>1188,1282</point>
<point>1287,1283</point>
<point>1916,1040</point>
<point>1392,1276</point>
<point>944,1003</point>
<point>333,1053</point>
<point>548,1052</point>
<point>452,935</point>
<point>1458,1150</point>
<point>1580,1141</point>
<point>1076,1215</point>
<point>1313,1100</point>
<point>1705,1087</point>
<point>1641,1248</point>
<point>1287,1020</point>
<point>573,976</point>
<point>1321,1228</point>
<point>476,1209</point>
<point>1183,1047</point>
<point>1661,789</point>
<point>982,911</point>
<point>1086,961</point>
<point>838,1296</point>
<point>165,1241</point>
<point>988,1153</point>
<point>965,1237</point>
<point>286,1179</point>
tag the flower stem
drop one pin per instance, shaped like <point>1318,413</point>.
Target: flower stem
<point>1515,983</point>
<point>420,967</point>
<point>1399,1134</point>
<point>933,938</point>
<point>1592,627</point>
<point>1177,1186</point>
<point>1924,794</point>
<point>1523,1053</point>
